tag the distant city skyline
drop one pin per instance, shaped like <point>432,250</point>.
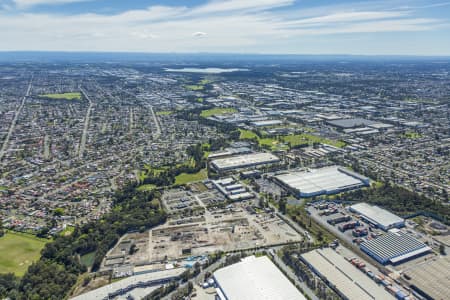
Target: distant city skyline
<point>394,27</point>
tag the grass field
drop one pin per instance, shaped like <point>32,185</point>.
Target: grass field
<point>217,111</point>
<point>299,139</point>
<point>247,134</point>
<point>18,251</point>
<point>412,135</point>
<point>164,113</point>
<point>63,96</point>
<point>146,187</point>
<point>67,231</point>
<point>3,188</point>
<point>88,259</point>
<point>187,178</point>
<point>270,143</point>
<point>194,87</point>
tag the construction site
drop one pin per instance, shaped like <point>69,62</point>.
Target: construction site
<point>197,226</point>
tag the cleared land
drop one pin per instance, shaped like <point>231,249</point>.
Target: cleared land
<point>186,178</point>
<point>63,96</point>
<point>18,251</point>
<point>217,111</point>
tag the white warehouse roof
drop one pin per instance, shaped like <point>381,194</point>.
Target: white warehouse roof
<point>242,161</point>
<point>377,215</point>
<point>255,278</point>
<point>322,181</point>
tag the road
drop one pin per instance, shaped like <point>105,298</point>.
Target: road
<point>155,118</point>
<point>280,263</point>
<point>14,121</point>
<point>86,125</point>
<point>199,279</point>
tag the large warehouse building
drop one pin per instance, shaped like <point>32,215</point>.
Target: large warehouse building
<point>244,161</point>
<point>348,281</point>
<point>377,216</point>
<point>254,278</point>
<point>324,181</point>
<point>394,247</point>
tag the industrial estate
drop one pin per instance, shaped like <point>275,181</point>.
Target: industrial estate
<point>177,179</point>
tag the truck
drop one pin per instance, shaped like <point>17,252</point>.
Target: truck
<point>347,226</point>
<point>334,221</point>
<point>357,232</point>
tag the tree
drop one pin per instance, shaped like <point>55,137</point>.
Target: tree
<point>282,205</point>
<point>58,211</point>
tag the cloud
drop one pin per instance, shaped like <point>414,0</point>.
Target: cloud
<point>199,34</point>
<point>231,26</point>
<point>22,4</point>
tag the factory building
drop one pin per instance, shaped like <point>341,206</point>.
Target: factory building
<point>233,190</point>
<point>323,181</point>
<point>394,247</point>
<point>254,278</point>
<point>377,216</point>
<point>243,161</point>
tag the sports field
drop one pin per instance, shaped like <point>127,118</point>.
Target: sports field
<point>217,111</point>
<point>187,178</point>
<point>18,251</point>
<point>63,96</point>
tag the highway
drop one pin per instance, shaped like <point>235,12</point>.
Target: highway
<point>14,121</point>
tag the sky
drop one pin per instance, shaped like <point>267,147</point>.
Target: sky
<point>364,27</point>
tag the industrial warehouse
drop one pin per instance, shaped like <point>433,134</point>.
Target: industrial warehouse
<point>254,278</point>
<point>349,282</point>
<point>243,161</point>
<point>377,216</point>
<point>394,247</point>
<point>324,181</point>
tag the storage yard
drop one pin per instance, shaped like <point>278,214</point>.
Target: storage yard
<point>398,248</point>
<point>323,181</point>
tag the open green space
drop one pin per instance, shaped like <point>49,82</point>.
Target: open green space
<point>184,178</point>
<point>67,231</point>
<point>412,135</point>
<point>217,111</point>
<point>18,251</point>
<point>292,140</point>
<point>164,113</point>
<point>301,139</point>
<point>194,87</point>
<point>205,81</point>
<point>3,188</point>
<point>87,259</point>
<point>63,96</point>
<point>146,187</point>
<point>247,134</point>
